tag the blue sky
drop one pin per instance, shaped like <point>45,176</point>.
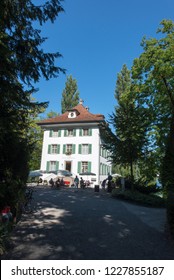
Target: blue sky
<point>95,38</point>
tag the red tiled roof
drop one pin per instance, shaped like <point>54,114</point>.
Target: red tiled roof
<point>83,116</point>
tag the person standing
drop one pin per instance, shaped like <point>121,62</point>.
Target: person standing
<point>104,183</point>
<point>76,182</point>
<point>82,183</point>
<point>51,182</point>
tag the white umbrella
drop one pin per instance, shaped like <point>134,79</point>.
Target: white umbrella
<point>116,175</point>
<point>35,173</point>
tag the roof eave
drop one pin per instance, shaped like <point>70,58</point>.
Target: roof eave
<point>93,122</point>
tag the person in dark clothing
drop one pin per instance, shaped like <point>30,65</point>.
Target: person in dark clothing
<point>76,182</point>
<point>104,183</point>
<point>109,186</point>
<point>82,183</point>
<point>58,183</point>
<point>51,182</point>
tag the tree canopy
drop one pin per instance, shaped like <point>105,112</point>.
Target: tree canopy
<point>23,63</point>
<point>128,140</point>
<point>153,74</point>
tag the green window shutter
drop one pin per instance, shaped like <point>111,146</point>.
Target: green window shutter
<point>79,167</point>
<point>73,148</point>
<point>57,165</point>
<point>48,166</point>
<point>58,149</point>
<point>89,166</point>
<point>64,149</point>
<point>74,132</point>
<point>65,132</point>
<point>49,149</point>
<point>80,132</point>
<point>90,132</point>
<point>51,133</point>
<point>80,148</point>
<point>59,133</point>
<point>100,168</point>
<point>89,148</point>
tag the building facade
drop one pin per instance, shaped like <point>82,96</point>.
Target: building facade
<point>72,142</point>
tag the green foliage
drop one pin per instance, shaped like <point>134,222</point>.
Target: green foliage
<point>36,134</point>
<point>140,185</point>
<point>139,198</point>
<point>52,114</point>
<point>23,62</point>
<point>153,74</point>
<point>70,95</point>
<point>128,140</point>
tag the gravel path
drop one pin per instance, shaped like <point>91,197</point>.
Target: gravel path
<point>81,224</point>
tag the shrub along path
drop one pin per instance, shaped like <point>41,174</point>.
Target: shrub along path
<point>82,224</point>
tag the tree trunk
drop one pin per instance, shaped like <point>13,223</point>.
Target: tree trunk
<point>132,175</point>
<point>168,176</point>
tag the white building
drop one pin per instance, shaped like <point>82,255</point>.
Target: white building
<point>72,142</point>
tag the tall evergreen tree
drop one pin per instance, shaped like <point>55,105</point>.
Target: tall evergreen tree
<point>129,137</point>
<point>70,95</point>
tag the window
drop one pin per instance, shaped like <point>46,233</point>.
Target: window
<point>69,149</point>
<point>104,153</point>
<point>55,133</point>
<point>84,166</point>
<point>85,132</point>
<point>85,149</point>
<point>54,149</point>
<point>70,132</point>
<point>52,166</point>
<point>72,114</point>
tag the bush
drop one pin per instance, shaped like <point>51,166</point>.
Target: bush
<point>139,198</point>
<point>145,188</point>
<point>140,185</point>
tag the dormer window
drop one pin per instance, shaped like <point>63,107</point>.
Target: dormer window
<point>73,113</point>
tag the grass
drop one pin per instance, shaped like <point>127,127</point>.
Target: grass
<point>152,200</point>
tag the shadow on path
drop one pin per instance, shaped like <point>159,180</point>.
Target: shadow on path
<point>82,224</point>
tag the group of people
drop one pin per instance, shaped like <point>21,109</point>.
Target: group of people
<point>108,182</point>
<point>80,183</point>
<point>58,183</point>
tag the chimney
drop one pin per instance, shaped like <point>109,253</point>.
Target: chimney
<point>81,101</point>
<point>87,108</point>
